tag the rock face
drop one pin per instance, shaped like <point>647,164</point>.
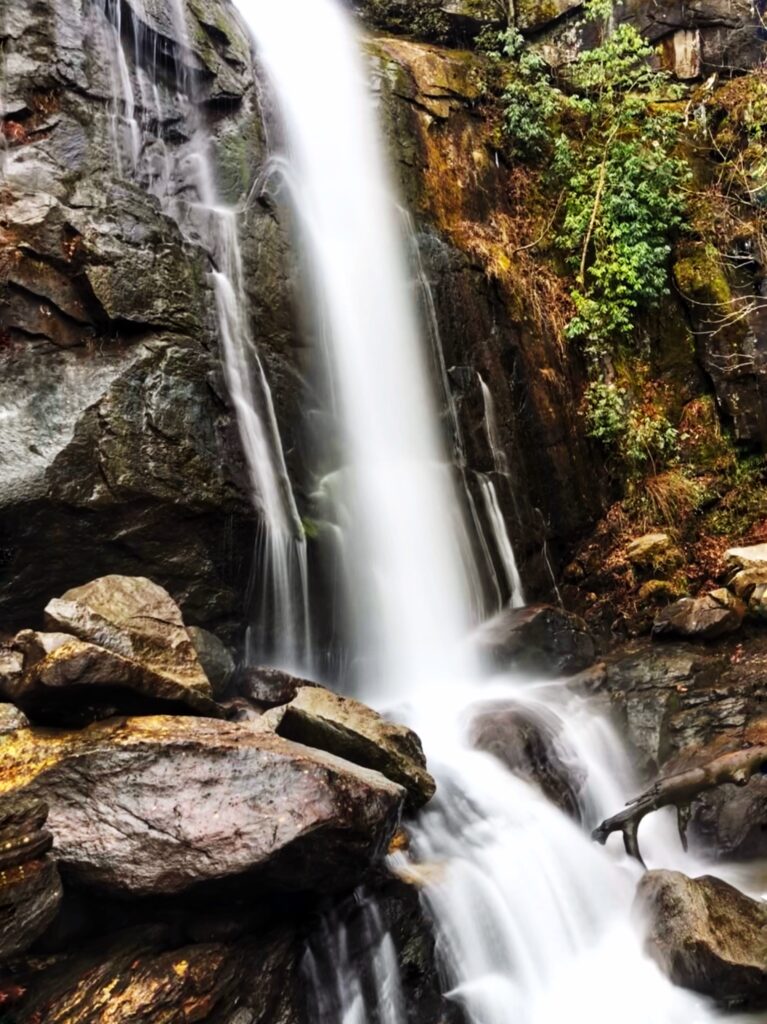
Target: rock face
<point>30,887</point>
<point>153,973</point>
<point>349,729</point>
<point>150,975</point>
<point>701,618</point>
<point>539,639</point>
<point>528,741</point>
<point>157,805</point>
<point>707,936</point>
<point>120,449</point>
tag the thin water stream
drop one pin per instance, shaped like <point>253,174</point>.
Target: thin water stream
<point>155,96</point>
<point>533,919</point>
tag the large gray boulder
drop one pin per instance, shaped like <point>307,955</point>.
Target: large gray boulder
<point>150,806</point>
<point>707,936</point>
<point>529,742</point>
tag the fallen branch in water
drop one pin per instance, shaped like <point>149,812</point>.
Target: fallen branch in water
<point>679,790</point>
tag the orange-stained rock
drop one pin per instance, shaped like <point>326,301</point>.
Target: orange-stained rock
<point>158,805</point>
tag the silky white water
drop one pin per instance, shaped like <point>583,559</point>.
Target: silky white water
<point>408,581</point>
<point>533,919</point>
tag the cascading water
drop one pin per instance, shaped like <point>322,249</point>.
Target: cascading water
<point>153,81</point>
<point>408,582</point>
<point>492,505</point>
<point>532,918</point>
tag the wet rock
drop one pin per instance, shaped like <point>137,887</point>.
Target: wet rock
<point>215,658</point>
<point>701,618</point>
<point>158,805</point>
<point>539,638</point>
<point>149,975</point>
<point>707,936</point>
<point>135,618</point>
<point>71,681</point>
<point>679,705</point>
<point>269,686</point>
<point>345,727</point>
<point>119,447</point>
<point>30,887</point>
<point>529,742</point>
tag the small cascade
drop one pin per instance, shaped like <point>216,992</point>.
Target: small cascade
<point>469,523</point>
<point>492,505</point>
<point>352,970</point>
<point>154,96</point>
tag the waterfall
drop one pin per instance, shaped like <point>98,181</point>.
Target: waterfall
<point>532,919</point>
<point>492,505</point>
<point>409,588</point>
<point>152,80</point>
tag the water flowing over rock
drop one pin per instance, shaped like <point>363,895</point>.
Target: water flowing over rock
<point>707,936</point>
<point>537,639</point>
<point>158,805</point>
<point>529,742</point>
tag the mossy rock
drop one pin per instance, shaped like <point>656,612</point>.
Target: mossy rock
<point>700,277</point>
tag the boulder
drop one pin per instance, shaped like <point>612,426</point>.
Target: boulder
<point>148,806</point>
<point>707,936</point>
<point>345,727</point>
<point>71,681</point>
<point>134,618</point>
<point>701,618</point>
<point>540,639</point>
<point>215,658</point>
<point>30,887</point>
<point>655,552</point>
<point>269,686</point>
<point>528,740</point>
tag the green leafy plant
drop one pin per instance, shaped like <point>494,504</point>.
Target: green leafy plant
<point>529,99</point>
<point>640,435</point>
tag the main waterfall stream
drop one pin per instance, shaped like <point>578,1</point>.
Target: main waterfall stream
<point>532,918</point>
